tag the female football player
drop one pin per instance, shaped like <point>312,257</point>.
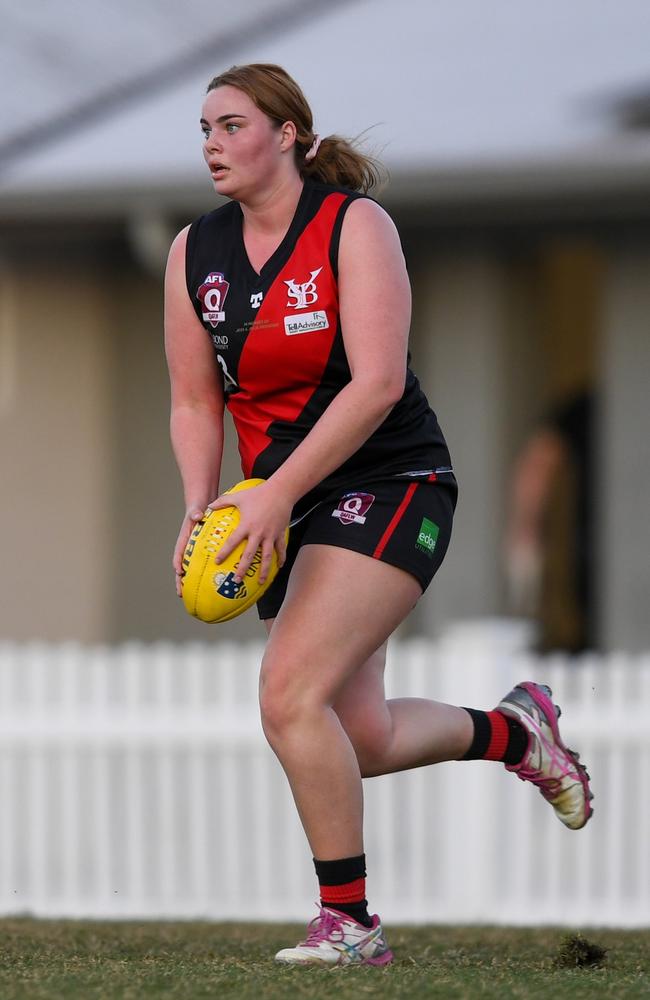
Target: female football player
<point>290,304</point>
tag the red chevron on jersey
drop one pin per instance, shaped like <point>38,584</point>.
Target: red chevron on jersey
<point>286,350</point>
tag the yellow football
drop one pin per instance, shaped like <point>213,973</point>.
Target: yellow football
<point>210,592</point>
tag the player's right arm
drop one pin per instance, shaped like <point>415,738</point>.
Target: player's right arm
<point>197,401</point>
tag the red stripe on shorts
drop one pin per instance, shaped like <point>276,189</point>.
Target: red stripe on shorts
<point>397,517</point>
<point>394,521</point>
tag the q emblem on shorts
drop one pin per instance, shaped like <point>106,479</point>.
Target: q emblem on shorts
<point>212,295</point>
<point>353,507</point>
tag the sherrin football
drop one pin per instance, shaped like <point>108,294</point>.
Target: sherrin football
<point>209,590</point>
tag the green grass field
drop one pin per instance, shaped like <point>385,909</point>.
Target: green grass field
<point>67,960</point>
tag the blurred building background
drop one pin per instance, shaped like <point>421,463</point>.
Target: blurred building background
<point>518,142</point>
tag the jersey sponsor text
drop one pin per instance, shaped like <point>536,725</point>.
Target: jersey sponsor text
<point>306,322</point>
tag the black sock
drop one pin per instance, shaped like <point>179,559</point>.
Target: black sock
<point>358,911</point>
<point>343,887</point>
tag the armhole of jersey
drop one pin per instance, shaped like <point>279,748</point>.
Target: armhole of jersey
<point>406,260</point>
<point>189,254</point>
<point>336,232</point>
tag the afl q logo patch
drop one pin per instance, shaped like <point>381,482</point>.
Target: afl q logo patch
<point>212,295</point>
<point>353,507</point>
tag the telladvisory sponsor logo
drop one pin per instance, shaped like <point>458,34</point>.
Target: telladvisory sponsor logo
<point>306,322</point>
<point>427,536</point>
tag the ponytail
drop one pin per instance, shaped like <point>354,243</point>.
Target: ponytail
<point>338,162</point>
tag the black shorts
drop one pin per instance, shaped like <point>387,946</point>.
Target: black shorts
<point>405,522</point>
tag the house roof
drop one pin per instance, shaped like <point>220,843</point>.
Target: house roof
<point>100,100</point>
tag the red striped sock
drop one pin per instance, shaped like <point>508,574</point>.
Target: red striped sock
<point>343,886</point>
<point>348,892</point>
<point>496,737</point>
<point>499,736</point>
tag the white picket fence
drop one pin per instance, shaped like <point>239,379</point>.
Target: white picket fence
<point>135,782</point>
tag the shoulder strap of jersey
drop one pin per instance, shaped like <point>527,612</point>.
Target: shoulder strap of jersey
<point>190,248</point>
<point>208,226</point>
<point>336,231</point>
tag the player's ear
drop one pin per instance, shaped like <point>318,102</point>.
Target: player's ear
<point>288,134</point>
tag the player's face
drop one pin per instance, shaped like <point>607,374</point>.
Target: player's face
<point>242,147</point>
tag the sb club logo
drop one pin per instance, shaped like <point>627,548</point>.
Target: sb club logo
<point>304,294</point>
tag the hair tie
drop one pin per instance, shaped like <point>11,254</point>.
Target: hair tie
<point>313,149</point>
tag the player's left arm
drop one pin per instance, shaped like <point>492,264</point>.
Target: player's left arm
<point>375,310</point>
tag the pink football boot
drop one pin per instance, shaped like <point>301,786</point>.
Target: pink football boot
<point>547,762</point>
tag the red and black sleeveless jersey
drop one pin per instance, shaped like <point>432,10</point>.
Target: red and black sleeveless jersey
<point>277,337</point>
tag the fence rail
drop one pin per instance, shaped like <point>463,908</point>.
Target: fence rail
<point>135,782</point>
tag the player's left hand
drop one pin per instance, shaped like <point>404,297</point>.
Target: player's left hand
<point>264,514</point>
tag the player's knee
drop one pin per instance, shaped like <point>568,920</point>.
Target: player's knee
<point>277,711</point>
<point>285,701</point>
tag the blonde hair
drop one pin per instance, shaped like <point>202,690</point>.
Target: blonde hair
<point>279,97</point>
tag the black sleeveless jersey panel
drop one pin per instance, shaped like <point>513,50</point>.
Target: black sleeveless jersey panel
<point>277,337</point>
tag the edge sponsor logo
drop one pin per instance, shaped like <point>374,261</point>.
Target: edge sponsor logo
<point>427,536</point>
<point>306,323</point>
<point>353,507</point>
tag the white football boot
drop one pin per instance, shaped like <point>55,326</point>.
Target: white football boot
<point>334,939</point>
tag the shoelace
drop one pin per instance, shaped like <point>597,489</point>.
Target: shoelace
<point>323,927</point>
<point>548,786</point>
<point>552,784</point>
